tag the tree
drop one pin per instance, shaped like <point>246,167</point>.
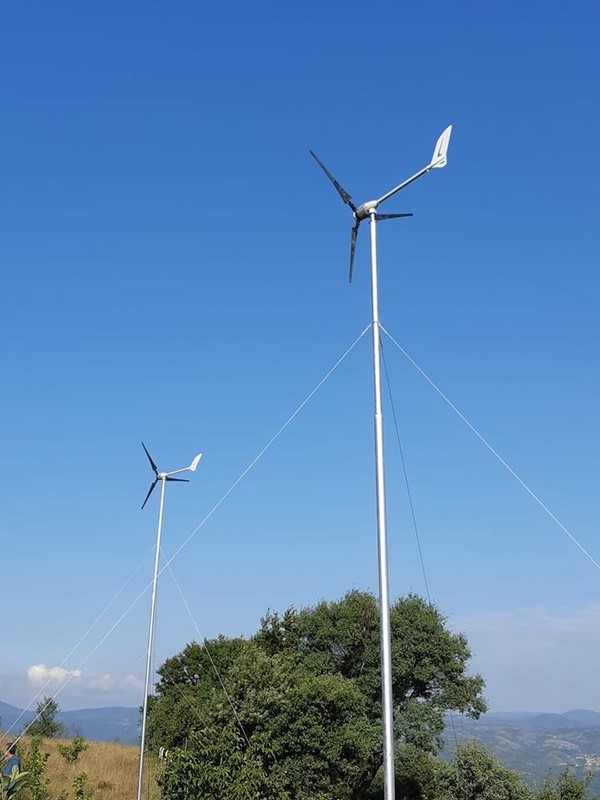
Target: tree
<point>188,681</point>
<point>567,786</point>
<point>307,699</point>
<point>71,752</point>
<point>45,723</point>
<point>37,783</point>
<point>475,774</point>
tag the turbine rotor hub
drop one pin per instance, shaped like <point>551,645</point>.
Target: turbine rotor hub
<point>364,211</point>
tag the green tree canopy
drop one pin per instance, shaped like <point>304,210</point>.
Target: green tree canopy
<point>475,774</point>
<point>45,722</point>
<point>567,786</point>
<point>303,715</point>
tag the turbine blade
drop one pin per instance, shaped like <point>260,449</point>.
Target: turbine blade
<point>179,480</point>
<point>150,490</point>
<point>152,464</point>
<point>340,189</point>
<point>353,235</point>
<point>391,216</point>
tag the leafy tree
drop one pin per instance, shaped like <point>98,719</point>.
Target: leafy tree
<point>37,782</point>
<point>428,664</point>
<point>418,775</point>
<point>567,786</point>
<point>71,752</point>
<point>300,733</point>
<point>81,789</point>
<point>475,774</point>
<point>45,723</point>
<point>188,681</point>
<point>306,694</point>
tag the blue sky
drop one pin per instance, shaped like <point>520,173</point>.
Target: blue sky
<point>175,270</point>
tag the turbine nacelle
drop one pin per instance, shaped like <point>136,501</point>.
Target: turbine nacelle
<point>364,211</point>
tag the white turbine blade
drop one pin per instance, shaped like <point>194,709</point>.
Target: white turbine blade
<point>195,462</point>
<point>441,149</point>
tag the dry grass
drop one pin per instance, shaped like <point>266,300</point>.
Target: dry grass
<point>112,770</point>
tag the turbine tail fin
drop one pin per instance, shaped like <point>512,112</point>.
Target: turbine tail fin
<point>439,158</point>
<point>195,463</point>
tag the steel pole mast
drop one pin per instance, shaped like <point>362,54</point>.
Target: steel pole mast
<point>384,593</point>
<point>365,211</point>
<point>163,480</point>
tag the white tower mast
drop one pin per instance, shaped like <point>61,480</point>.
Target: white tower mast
<point>368,210</point>
<point>163,477</point>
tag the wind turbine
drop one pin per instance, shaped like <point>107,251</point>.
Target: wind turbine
<point>163,477</point>
<point>369,210</point>
<point>166,476</point>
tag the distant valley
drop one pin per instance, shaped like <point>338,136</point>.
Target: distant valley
<point>534,744</point>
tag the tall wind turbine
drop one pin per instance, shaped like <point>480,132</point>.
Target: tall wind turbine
<point>369,210</point>
<point>163,477</point>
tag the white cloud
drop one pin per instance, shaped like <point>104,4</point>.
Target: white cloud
<point>75,688</point>
<point>39,674</point>
<point>112,683</point>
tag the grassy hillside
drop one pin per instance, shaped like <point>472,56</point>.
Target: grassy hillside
<point>112,770</point>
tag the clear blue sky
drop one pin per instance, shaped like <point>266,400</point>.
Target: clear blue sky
<point>175,270</point>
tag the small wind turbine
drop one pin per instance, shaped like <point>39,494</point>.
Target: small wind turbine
<point>369,210</point>
<point>163,477</point>
<point>166,476</point>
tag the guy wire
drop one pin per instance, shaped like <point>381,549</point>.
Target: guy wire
<point>204,641</point>
<point>406,481</point>
<point>136,600</point>
<point>411,504</point>
<point>493,451</point>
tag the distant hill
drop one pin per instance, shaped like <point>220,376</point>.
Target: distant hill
<point>113,724</point>
<point>532,743</point>
<point>535,744</point>
<point>9,716</point>
<point>579,718</point>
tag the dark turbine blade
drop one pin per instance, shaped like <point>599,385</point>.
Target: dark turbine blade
<point>150,490</point>
<point>340,189</point>
<point>152,464</point>
<point>180,480</point>
<point>353,235</point>
<point>391,216</point>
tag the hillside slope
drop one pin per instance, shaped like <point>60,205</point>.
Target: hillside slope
<point>535,744</point>
<point>112,770</point>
